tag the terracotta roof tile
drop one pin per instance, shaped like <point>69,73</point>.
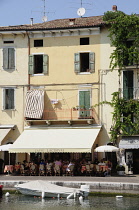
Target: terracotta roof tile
<point>59,24</point>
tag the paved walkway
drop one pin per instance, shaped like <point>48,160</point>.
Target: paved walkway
<point>117,179</point>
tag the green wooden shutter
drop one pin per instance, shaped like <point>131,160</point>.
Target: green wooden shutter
<point>11,52</point>
<point>128,84</point>
<point>31,64</point>
<point>84,102</point>
<point>92,62</point>
<point>77,63</point>
<point>5,58</point>
<point>45,64</point>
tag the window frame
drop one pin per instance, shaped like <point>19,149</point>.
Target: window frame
<point>35,40</point>
<point>84,38</point>
<point>9,69</point>
<point>31,64</point>
<point>77,62</point>
<point>4,100</point>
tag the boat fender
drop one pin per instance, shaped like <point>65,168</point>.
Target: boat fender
<point>119,196</point>
<point>70,195</point>
<point>7,194</point>
<point>80,198</point>
<point>43,194</point>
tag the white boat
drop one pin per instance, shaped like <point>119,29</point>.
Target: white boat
<point>45,189</point>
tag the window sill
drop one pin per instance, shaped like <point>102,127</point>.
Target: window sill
<point>5,110</point>
<point>38,74</point>
<point>84,73</point>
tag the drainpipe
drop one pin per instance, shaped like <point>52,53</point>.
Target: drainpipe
<point>28,55</point>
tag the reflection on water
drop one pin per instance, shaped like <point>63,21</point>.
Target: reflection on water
<point>20,202</point>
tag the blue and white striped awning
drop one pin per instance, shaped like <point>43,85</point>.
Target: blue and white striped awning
<point>34,104</point>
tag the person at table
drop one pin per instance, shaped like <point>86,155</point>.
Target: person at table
<point>102,163</point>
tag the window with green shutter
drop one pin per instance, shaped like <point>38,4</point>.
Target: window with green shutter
<point>8,58</point>
<point>84,62</point>
<point>84,104</point>
<point>38,64</point>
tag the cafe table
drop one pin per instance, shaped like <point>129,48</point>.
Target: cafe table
<point>8,168</point>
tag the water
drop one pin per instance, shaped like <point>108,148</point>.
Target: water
<point>21,202</point>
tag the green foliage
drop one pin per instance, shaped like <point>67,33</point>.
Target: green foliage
<point>120,168</point>
<point>123,28</point>
<point>125,117</point>
<point>110,15</point>
<point>124,36</point>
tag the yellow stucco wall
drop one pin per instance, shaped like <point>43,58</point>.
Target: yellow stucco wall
<point>18,79</point>
<point>61,59</point>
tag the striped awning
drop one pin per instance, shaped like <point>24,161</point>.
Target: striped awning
<point>34,104</point>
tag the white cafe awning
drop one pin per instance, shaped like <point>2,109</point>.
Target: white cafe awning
<point>53,140</point>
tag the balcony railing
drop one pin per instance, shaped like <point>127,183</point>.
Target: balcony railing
<point>68,114</point>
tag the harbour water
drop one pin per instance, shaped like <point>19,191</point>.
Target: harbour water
<point>21,202</point>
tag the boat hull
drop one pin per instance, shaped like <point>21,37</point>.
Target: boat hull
<point>45,194</point>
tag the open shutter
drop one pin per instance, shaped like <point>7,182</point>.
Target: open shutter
<point>11,98</point>
<point>92,62</point>
<point>136,56</point>
<point>11,52</point>
<point>77,63</point>
<point>45,64</point>
<point>5,58</point>
<point>87,103</point>
<point>31,64</point>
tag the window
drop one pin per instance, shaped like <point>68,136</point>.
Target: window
<point>38,64</point>
<point>8,98</point>
<point>84,41</point>
<point>84,62</point>
<point>128,84</point>
<point>127,60</point>
<point>8,58</point>
<point>8,42</point>
<point>38,43</point>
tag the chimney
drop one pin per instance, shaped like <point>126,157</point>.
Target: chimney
<point>31,19</point>
<point>71,21</point>
<point>114,8</point>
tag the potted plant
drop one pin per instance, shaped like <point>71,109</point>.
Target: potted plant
<point>120,169</point>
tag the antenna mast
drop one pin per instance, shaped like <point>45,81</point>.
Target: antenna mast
<point>44,18</point>
<point>81,10</point>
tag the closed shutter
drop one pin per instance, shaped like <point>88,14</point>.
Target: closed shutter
<point>5,58</point>
<point>84,102</point>
<point>77,63</point>
<point>92,62</point>
<point>9,58</point>
<point>45,64</point>
<point>128,85</point>
<point>11,52</point>
<point>31,64</point>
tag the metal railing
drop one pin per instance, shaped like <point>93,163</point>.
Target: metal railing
<point>67,114</point>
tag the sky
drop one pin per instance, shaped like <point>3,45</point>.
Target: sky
<point>19,12</point>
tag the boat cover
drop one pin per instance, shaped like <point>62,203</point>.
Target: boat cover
<point>44,186</point>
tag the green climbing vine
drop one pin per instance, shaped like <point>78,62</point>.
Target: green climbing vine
<point>124,36</point>
<point>125,117</point>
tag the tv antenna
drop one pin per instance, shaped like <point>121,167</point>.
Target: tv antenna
<point>44,18</point>
<point>81,10</point>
